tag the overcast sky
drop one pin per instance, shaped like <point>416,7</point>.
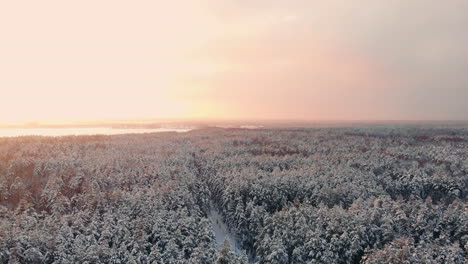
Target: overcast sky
<point>363,59</point>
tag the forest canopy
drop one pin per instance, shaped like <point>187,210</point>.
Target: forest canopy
<point>303,195</point>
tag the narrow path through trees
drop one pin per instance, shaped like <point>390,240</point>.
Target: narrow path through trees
<point>222,232</point>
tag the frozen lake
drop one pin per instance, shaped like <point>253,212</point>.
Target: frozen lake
<point>16,132</point>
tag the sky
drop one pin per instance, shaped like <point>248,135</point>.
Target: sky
<point>234,59</point>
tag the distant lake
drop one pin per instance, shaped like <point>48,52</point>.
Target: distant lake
<point>16,132</point>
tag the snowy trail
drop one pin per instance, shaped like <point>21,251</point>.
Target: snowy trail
<point>221,232</point>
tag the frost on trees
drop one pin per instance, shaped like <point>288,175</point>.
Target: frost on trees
<point>322,195</point>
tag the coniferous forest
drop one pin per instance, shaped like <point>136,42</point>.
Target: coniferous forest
<point>375,194</point>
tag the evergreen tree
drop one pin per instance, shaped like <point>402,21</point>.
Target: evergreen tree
<point>225,255</point>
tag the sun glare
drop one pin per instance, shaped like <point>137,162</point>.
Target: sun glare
<point>62,60</point>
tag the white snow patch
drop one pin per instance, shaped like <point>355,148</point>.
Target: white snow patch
<point>222,232</point>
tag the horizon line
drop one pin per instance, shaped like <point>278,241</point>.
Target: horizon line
<point>203,121</point>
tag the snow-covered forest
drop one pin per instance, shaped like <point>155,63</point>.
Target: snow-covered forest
<point>315,195</point>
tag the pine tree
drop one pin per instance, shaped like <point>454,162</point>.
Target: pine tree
<point>243,258</point>
<point>278,253</point>
<point>225,255</point>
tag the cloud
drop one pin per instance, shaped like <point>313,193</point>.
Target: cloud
<point>408,58</point>
<point>285,72</point>
<point>340,59</point>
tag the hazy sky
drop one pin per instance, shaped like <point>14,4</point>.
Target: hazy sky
<point>363,59</point>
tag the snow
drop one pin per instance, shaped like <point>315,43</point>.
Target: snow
<point>221,232</point>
